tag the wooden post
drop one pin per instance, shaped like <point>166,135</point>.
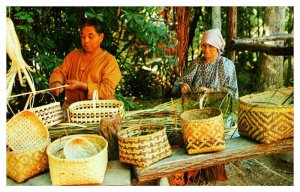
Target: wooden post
<point>232,26</point>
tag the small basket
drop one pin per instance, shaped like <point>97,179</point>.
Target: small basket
<point>91,111</point>
<point>79,148</point>
<point>87,171</point>
<point>24,165</point>
<point>264,118</point>
<point>25,131</point>
<point>50,114</point>
<point>203,130</point>
<point>143,145</point>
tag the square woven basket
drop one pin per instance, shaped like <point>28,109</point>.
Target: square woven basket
<point>264,118</point>
<point>203,130</point>
<point>27,139</point>
<point>143,145</point>
<point>85,171</point>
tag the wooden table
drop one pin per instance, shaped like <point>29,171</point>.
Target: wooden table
<point>238,148</point>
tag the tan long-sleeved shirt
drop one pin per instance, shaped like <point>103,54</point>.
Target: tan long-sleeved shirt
<point>102,73</point>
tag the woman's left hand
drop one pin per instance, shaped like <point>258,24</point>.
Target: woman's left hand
<point>74,84</point>
<point>204,90</point>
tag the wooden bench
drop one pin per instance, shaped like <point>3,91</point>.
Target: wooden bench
<point>117,174</point>
<point>235,149</point>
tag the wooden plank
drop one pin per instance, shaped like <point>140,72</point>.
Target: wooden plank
<point>235,149</point>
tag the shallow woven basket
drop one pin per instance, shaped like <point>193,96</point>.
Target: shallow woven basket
<point>91,111</point>
<point>24,165</point>
<point>25,131</point>
<point>79,148</point>
<point>143,145</point>
<point>88,171</point>
<point>263,118</point>
<point>50,114</point>
<point>203,130</point>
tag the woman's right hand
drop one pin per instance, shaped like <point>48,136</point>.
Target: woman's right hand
<point>185,88</point>
<point>56,92</point>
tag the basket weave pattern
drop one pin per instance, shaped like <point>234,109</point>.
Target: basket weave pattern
<point>87,171</point>
<point>23,165</point>
<point>25,131</point>
<point>50,114</point>
<point>203,130</point>
<point>143,145</point>
<point>266,123</point>
<point>93,111</point>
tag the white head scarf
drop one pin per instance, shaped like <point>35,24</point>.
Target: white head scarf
<point>213,37</point>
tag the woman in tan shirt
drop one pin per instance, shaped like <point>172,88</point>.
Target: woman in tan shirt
<point>87,69</point>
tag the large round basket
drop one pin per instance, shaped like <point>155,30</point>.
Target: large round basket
<point>143,145</point>
<point>24,165</point>
<point>25,131</point>
<point>86,171</point>
<point>267,116</point>
<point>203,130</point>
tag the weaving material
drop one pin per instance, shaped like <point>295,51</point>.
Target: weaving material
<point>264,118</point>
<point>143,145</point>
<point>203,130</point>
<point>87,171</point>
<point>24,165</point>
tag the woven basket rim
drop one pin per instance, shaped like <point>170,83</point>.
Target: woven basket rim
<point>242,100</point>
<point>98,101</point>
<point>57,141</point>
<point>120,133</point>
<point>45,106</point>
<point>203,109</point>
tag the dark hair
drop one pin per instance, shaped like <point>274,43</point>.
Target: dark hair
<point>92,22</point>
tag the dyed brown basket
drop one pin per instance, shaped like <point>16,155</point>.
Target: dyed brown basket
<point>143,145</point>
<point>91,111</point>
<point>203,130</point>
<point>264,118</point>
<point>87,171</point>
<point>25,131</point>
<point>50,114</point>
<point>24,165</point>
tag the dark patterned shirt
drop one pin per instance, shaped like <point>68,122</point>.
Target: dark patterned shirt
<point>218,75</point>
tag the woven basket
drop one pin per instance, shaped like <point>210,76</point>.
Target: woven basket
<point>143,145</point>
<point>203,130</point>
<point>50,114</point>
<point>263,118</point>
<point>91,111</point>
<point>79,148</point>
<point>24,165</point>
<point>25,131</point>
<point>88,171</point>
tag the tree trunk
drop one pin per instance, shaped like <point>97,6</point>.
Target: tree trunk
<point>216,18</point>
<point>270,73</point>
<point>232,26</point>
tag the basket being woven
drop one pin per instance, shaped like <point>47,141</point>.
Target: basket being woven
<point>87,171</point>
<point>50,114</point>
<point>91,111</point>
<point>264,118</point>
<point>203,130</point>
<point>25,131</point>
<point>24,165</point>
<point>143,145</point>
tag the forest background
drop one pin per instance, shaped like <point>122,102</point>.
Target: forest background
<point>152,45</point>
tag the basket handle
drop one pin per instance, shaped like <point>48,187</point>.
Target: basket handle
<point>95,98</point>
<point>31,102</point>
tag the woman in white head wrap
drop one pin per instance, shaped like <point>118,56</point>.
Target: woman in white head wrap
<point>210,73</point>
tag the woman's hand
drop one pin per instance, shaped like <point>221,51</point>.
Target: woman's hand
<point>56,92</point>
<point>204,90</point>
<point>74,84</point>
<point>185,88</point>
